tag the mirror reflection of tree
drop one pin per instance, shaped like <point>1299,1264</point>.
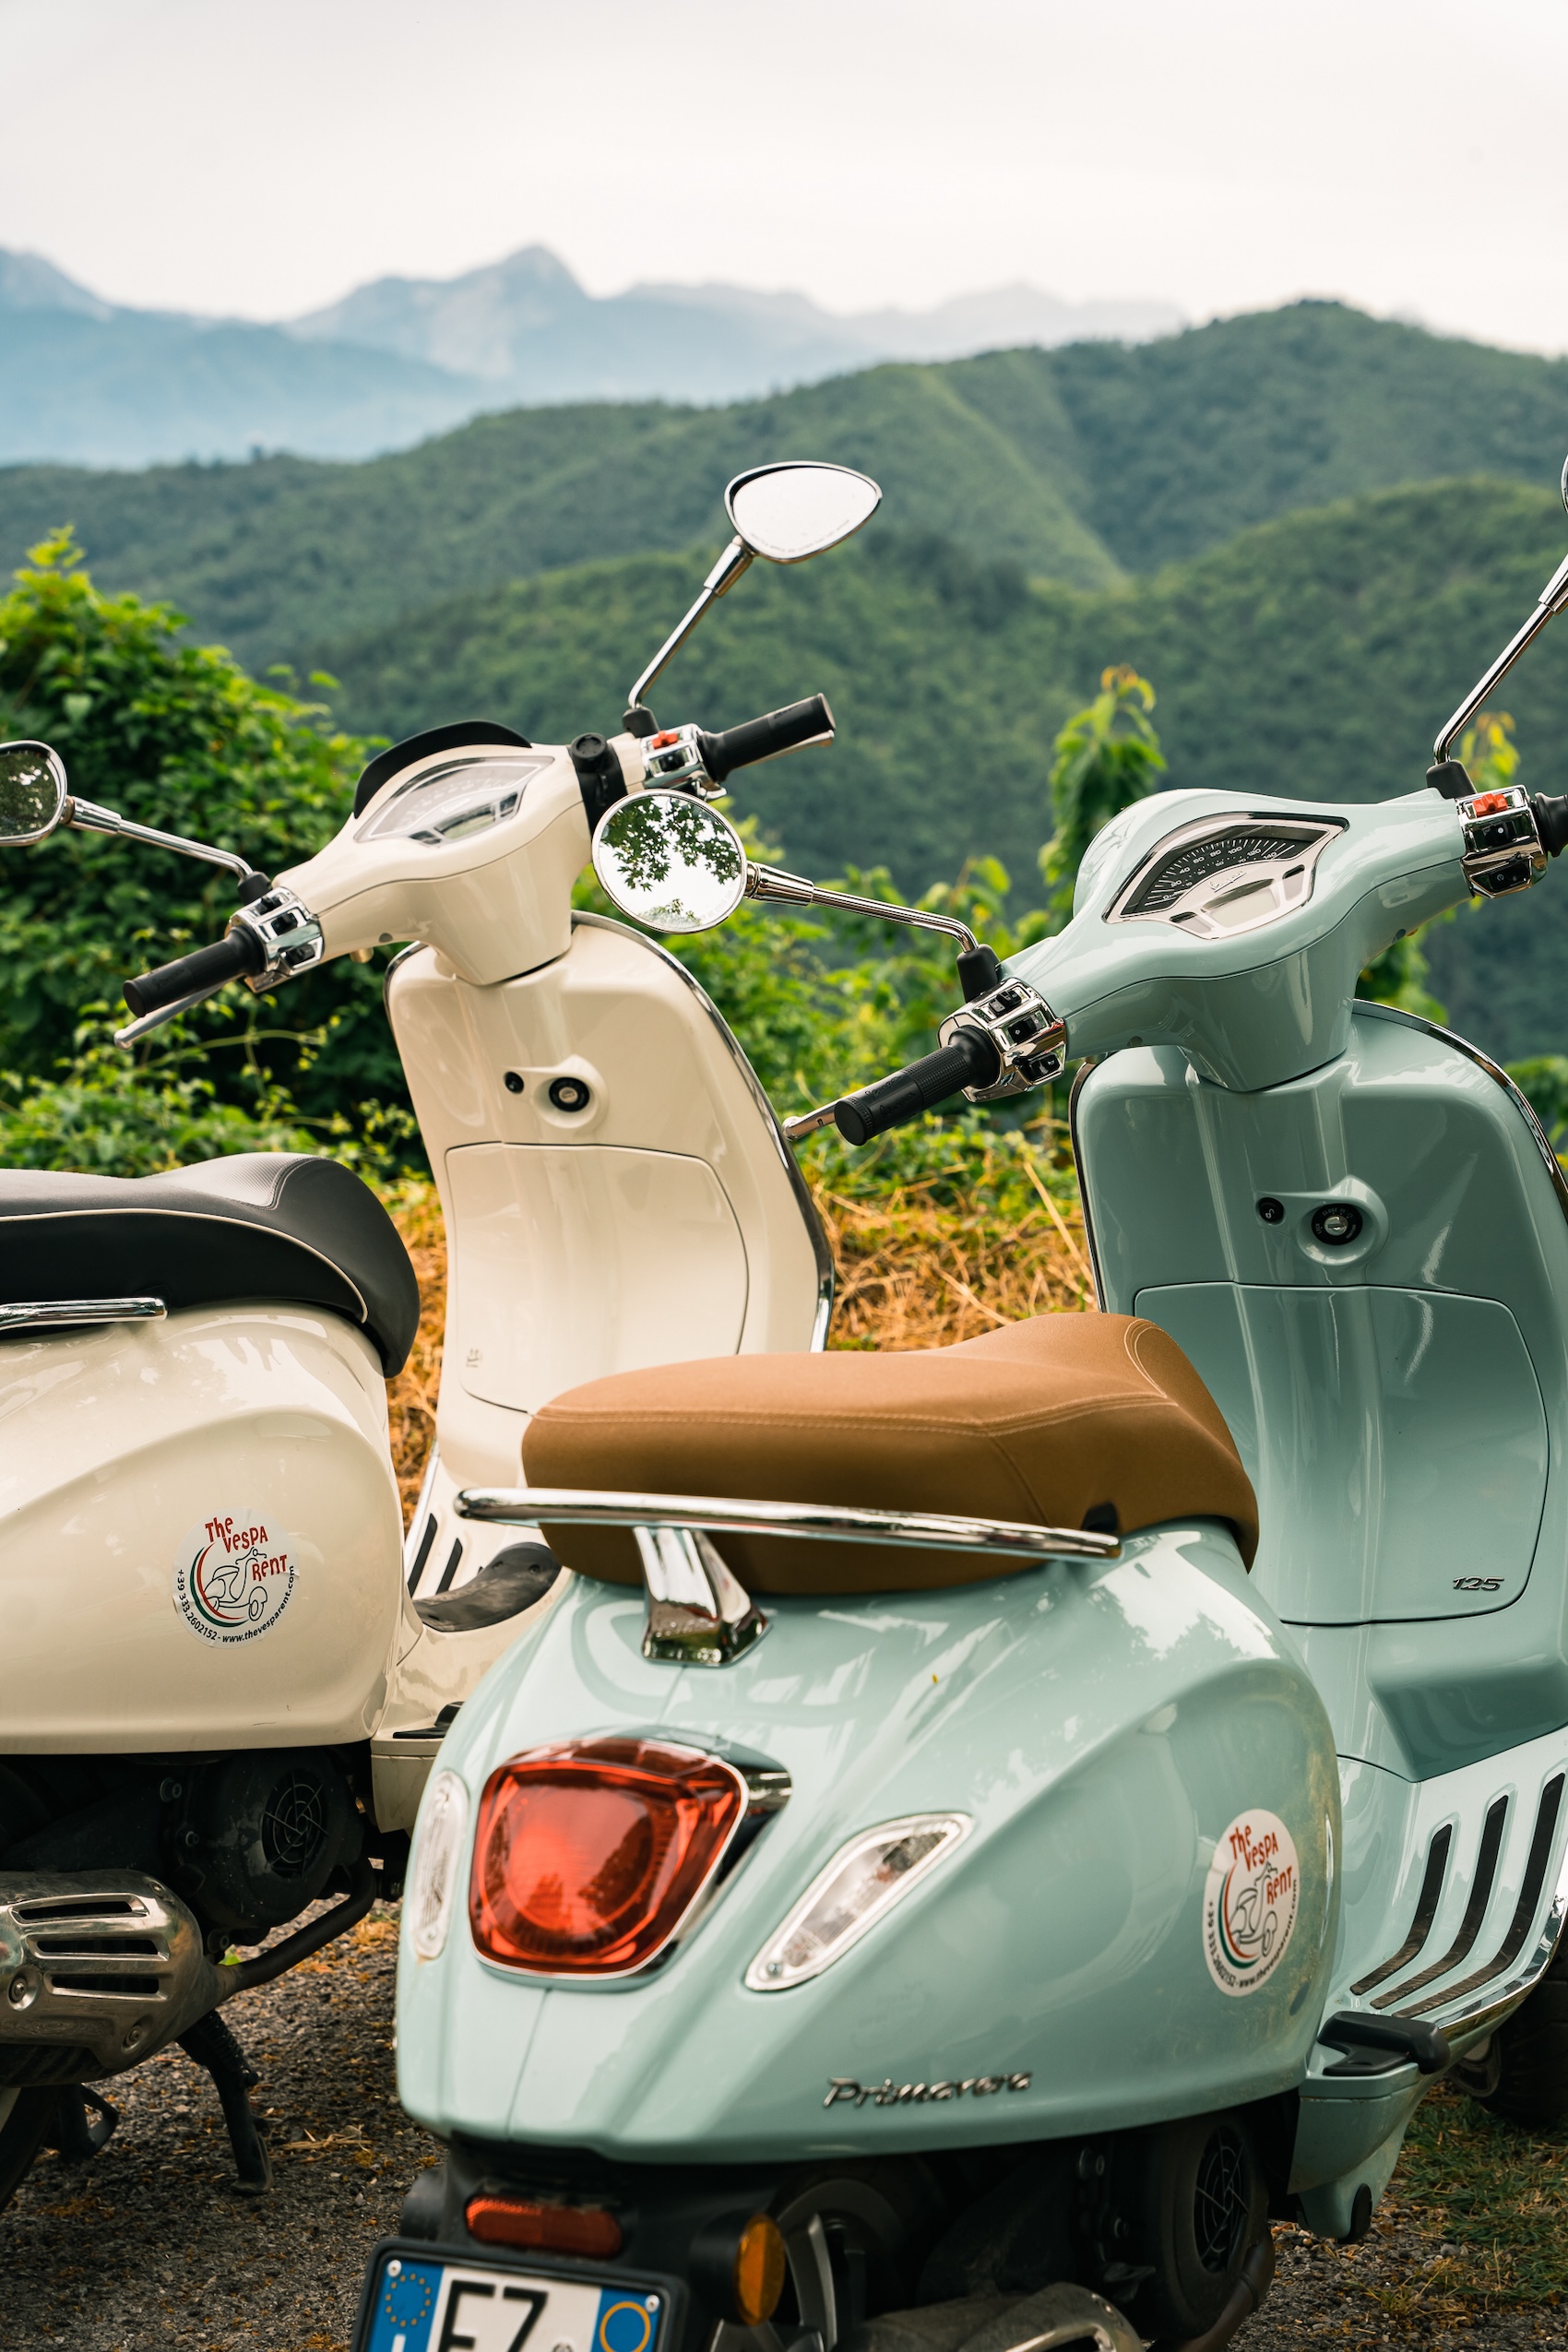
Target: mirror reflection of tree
<point>28,793</point>
<point>671,857</point>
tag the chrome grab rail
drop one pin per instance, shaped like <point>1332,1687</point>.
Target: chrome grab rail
<point>698,1612</point>
<point>64,1314</point>
<point>813,1522</point>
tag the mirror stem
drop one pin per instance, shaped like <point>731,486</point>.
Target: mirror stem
<point>772,882</point>
<point>1552,598</point>
<point>88,818</point>
<point>735,560</point>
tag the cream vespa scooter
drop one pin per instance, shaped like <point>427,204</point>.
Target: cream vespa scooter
<point>226,1675</point>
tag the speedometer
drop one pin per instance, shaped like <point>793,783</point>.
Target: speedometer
<point>1226,874</point>
<point>454,800</point>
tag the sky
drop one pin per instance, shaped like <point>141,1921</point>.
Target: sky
<point>259,157</point>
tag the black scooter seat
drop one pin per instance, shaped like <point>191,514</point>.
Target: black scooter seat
<point>273,1226</point>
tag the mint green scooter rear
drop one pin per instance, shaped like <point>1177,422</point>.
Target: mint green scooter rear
<point>1103,1730</point>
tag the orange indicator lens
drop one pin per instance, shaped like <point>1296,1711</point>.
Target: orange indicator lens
<point>759,2271</point>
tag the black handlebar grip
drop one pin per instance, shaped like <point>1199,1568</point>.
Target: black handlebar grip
<point>969,1061</point>
<point>208,968</point>
<point>789,730</point>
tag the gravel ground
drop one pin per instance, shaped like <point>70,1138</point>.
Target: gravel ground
<point>148,2245</point>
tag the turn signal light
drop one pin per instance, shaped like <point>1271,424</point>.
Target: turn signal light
<point>589,1854</point>
<point>759,2271</point>
<point>738,2266</point>
<point>555,2230</point>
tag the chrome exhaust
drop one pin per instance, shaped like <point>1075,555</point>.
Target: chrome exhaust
<point>98,1969</point>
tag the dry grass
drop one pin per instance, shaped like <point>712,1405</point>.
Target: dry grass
<point>416,1211</point>
<point>911,1275</point>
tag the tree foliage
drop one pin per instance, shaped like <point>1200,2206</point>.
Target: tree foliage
<point>1107,757</point>
<point>179,737</point>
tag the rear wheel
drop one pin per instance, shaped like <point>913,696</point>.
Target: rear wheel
<point>1199,2206</point>
<point>25,2117</point>
<point>1529,2054</point>
<point>854,2240</point>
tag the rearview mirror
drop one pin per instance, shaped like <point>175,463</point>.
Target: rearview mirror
<point>670,862</point>
<point>784,512</point>
<point>789,512</point>
<point>33,793</point>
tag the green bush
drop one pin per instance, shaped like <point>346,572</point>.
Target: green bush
<point>176,736</point>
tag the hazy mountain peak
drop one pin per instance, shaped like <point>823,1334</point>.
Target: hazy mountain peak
<point>29,282</point>
<point>527,323</point>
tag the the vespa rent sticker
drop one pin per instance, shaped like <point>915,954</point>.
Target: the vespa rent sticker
<point>1250,1902</point>
<point>233,1578</point>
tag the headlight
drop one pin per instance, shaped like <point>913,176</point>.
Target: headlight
<point>438,1862</point>
<point>860,1886</point>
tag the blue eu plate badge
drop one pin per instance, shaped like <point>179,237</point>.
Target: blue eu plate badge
<point>439,2305</point>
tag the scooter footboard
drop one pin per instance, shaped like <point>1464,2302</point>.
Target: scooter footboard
<point>1453,1937</point>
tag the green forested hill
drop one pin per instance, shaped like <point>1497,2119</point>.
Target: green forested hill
<point>1078,465</point>
<point>1313,657</point>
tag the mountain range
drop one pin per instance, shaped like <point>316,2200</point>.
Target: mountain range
<point>89,382</point>
<point>1311,530</point>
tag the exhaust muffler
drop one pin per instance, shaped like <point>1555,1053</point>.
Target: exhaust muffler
<point>98,1969</point>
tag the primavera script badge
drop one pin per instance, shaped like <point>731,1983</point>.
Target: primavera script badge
<point>233,1578</point>
<point>1250,1902</point>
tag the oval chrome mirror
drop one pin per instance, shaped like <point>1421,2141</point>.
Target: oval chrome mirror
<point>670,861</point>
<point>792,511</point>
<point>33,793</point>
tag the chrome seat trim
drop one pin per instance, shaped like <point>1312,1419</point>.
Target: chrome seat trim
<point>67,1314</point>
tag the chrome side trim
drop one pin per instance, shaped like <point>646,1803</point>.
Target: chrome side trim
<point>813,1522</point>
<point>67,1314</point>
<point>1075,1090</point>
<point>809,1219</point>
<point>1539,1135</point>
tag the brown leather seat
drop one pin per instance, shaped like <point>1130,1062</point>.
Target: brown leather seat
<point>1063,1419</point>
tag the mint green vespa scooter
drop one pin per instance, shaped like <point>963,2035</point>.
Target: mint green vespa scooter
<point>985,1830</point>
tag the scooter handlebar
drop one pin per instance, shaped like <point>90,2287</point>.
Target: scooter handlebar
<point>790,730</point>
<point>970,1061</point>
<point>194,975</point>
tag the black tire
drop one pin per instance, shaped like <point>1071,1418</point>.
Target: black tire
<point>1201,2205</point>
<point>877,2222</point>
<point>24,2119</point>
<point>1532,2053</point>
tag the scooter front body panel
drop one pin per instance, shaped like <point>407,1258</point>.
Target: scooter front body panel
<point>1391,1398</point>
<point>133,1458</point>
<point>1103,1726</point>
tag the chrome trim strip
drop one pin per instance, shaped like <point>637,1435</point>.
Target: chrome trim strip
<point>813,1522</point>
<point>1075,1090</point>
<point>1502,2004</point>
<point>1433,1884</point>
<point>1541,1844</point>
<point>1475,1908</point>
<point>66,1314</point>
<point>1521,1102</point>
<point>809,1217</point>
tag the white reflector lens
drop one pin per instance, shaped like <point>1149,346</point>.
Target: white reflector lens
<point>440,1862</point>
<point>860,1885</point>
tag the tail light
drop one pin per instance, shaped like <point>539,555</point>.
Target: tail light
<point>588,1855</point>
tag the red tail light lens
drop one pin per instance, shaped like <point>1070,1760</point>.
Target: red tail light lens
<point>588,1855</point>
<point>556,2229</point>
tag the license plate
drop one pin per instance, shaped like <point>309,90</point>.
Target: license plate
<point>431,2300</point>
